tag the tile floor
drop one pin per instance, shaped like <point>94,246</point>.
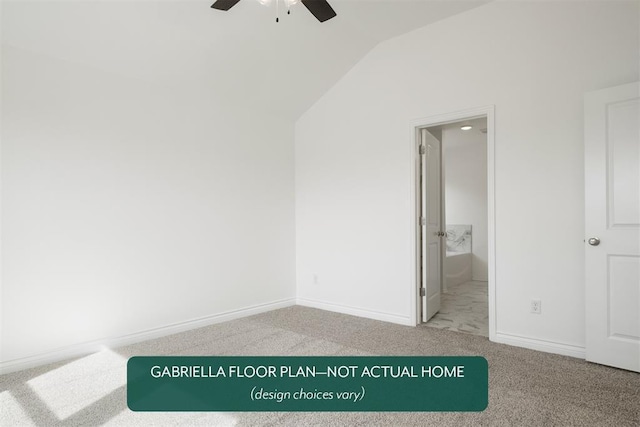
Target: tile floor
<point>464,308</point>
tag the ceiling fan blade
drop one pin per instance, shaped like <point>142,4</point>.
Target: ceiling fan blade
<point>224,4</point>
<point>320,9</point>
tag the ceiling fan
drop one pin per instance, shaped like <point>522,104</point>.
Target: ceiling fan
<point>318,8</point>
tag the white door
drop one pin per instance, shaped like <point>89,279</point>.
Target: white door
<point>612,225</point>
<point>431,233</point>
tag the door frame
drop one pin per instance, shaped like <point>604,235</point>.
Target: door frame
<point>487,111</point>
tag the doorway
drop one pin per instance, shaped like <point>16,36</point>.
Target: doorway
<point>464,305</point>
<point>465,265</point>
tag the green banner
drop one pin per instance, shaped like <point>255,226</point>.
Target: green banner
<point>281,383</point>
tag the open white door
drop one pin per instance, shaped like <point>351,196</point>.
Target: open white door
<point>431,233</point>
<point>612,225</point>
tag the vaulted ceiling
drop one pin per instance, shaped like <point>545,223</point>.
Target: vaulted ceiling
<point>241,56</point>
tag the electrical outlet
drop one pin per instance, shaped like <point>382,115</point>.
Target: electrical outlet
<point>316,279</point>
<point>536,306</point>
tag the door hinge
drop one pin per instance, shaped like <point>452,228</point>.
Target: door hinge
<point>422,149</point>
<point>423,221</point>
<point>423,292</point>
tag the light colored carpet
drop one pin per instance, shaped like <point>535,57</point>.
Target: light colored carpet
<point>526,387</point>
<point>464,308</point>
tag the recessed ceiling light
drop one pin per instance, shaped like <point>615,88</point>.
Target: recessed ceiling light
<point>466,127</point>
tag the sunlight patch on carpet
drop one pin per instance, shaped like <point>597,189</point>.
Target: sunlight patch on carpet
<point>12,412</point>
<point>78,384</point>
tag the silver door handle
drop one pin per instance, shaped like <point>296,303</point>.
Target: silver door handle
<point>594,241</point>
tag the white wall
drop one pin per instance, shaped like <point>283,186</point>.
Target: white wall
<point>128,207</point>
<point>533,61</point>
<point>465,182</point>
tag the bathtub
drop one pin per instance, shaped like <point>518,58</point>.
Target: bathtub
<point>457,268</point>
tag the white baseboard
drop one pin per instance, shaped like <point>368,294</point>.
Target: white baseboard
<point>540,345</point>
<point>355,311</point>
<point>85,348</point>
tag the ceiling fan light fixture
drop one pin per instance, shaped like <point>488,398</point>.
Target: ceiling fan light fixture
<point>321,9</point>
